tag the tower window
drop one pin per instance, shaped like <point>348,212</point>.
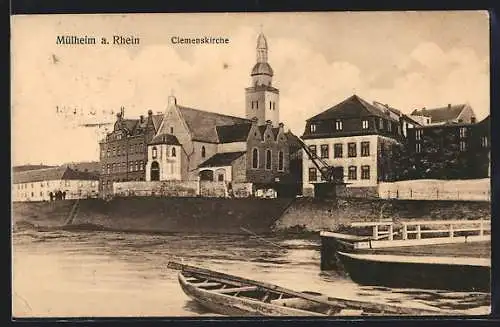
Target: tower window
<point>171,130</point>
<point>257,104</point>
<point>154,153</point>
<point>270,105</point>
<point>203,152</point>
<point>173,152</point>
<point>274,105</point>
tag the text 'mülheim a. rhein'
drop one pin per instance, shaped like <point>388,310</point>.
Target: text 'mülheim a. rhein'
<point>84,40</point>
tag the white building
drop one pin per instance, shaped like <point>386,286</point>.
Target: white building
<point>164,159</point>
<point>36,185</point>
<point>355,136</point>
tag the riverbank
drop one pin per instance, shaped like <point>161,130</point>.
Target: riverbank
<point>301,216</point>
<point>309,215</point>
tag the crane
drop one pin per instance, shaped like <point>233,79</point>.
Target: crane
<point>330,174</point>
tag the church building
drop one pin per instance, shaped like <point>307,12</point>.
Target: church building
<point>193,144</point>
<point>188,144</point>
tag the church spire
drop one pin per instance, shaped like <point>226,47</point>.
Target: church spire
<point>261,48</point>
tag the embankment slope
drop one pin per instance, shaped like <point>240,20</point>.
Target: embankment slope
<point>308,214</point>
<point>149,214</point>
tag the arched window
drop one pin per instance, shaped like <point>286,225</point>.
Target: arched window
<point>173,152</point>
<point>255,158</point>
<point>268,159</point>
<point>203,152</point>
<point>280,161</point>
<point>154,153</point>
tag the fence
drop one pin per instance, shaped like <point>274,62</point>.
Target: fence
<point>426,229</point>
<point>453,190</point>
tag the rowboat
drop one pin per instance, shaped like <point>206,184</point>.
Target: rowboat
<point>236,296</point>
<point>425,272</point>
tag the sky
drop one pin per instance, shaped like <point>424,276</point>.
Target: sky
<point>408,60</point>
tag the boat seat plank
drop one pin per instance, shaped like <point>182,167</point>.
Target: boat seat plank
<point>208,284</point>
<point>237,289</point>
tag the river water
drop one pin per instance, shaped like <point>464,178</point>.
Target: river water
<point>112,274</point>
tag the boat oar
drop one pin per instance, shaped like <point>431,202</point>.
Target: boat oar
<point>260,238</point>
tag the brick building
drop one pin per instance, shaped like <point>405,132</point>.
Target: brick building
<point>123,152</point>
<point>450,150</point>
<point>354,135</point>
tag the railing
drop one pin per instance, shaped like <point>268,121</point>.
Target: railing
<point>385,229</point>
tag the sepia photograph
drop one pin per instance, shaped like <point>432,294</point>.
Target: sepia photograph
<point>322,164</point>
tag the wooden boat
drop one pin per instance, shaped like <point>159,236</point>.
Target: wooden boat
<point>236,296</point>
<point>452,238</point>
<point>426,272</point>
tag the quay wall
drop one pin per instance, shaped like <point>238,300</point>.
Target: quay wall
<point>157,214</point>
<point>313,215</point>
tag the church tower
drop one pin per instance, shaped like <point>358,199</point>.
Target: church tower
<point>262,99</point>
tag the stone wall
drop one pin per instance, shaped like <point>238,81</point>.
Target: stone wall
<point>156,188</point>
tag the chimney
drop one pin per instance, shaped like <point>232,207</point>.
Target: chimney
<point>255,120</point>
<point>269,122</point>
<point>172,100</point>
<point>122,110</point>
<point>150,112</point>
<point>142,119</point>
<point>281,125</point>
<point>449,106</point>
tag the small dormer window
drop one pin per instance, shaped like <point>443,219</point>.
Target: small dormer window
<point>338,125</point>
<point>364,123</point>
<point>154,152</point>
<point>313,128</point>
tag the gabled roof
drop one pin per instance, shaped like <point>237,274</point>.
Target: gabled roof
<point>157,119</point>
<point>442,114</point>
<point>221,159</point>
<point>352,107</point>
<point>165,138</point>
<point>233,133</point>
<point>49,174</point>
<point>202,124</point>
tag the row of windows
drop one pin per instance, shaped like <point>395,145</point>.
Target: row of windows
<point>43,184</point>
<point>154,152</point>
<point>461,144</point>
<point>463,132</point>
<point>338,150</point>
<point>269,161</point>
<point>121,150</point>
<point>255,105</point>
<point>365,124</point>
<point>122,167</point>
<point>352,173</point>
